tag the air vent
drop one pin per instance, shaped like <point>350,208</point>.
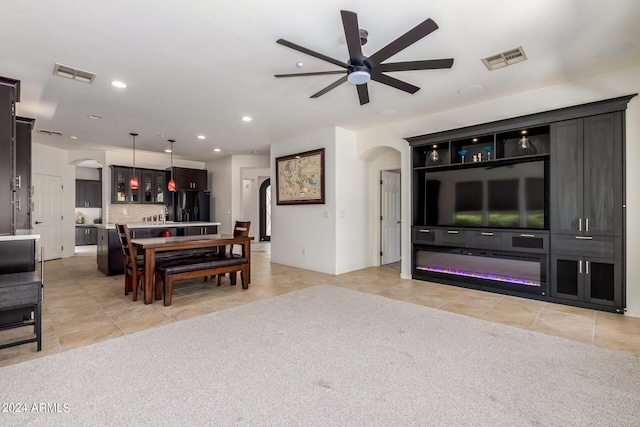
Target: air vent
<point>73,73</point>
<point>50,132</point>
<point>509,57</point>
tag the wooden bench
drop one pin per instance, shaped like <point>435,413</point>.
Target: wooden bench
<point>19,291</point>
<point>168,273</point>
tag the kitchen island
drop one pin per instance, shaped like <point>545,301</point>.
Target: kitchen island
<point>109,254</point>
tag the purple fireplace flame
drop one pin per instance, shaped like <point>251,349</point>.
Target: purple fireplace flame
<point>477,275</point>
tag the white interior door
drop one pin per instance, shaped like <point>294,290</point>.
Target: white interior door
<point>390,213</point>
<point>47,213</point>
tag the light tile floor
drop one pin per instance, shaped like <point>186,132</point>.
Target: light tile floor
<point>82,306</point>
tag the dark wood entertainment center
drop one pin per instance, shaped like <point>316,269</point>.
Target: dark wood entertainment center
<point>532,206</point>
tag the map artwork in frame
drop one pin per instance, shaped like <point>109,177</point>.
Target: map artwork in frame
<point>300,178</point>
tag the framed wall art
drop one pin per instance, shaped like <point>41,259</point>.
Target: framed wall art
<point>300,178</point>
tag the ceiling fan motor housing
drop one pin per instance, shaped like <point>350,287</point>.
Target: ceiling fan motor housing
<point>358,74</point>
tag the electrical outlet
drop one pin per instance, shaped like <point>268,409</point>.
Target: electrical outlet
<point>124,211</point>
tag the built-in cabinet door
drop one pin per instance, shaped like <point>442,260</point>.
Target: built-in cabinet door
<point>23,174</point>
<point>160,186</point>
<point>587,279</point>
<point>7,159</point>
<point>93,194</point>
<point>86,236</point>
<point>603,284</point>
<point>148,185</point>
<point>586,184</point>
<point>80,194</point>
<point>88,194</point>
<point>567,281</point>
<point>195,231</point>
<point>190,179</point>
<point>120,184</point>
<point>567,181</point>
<point>602,177</point>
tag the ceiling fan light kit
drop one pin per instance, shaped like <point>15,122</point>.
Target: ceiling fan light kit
<point>361,69</point>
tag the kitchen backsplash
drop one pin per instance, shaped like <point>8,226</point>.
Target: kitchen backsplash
<point>134,213</point>
<point>88,214</point>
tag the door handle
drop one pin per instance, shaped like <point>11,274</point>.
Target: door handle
<point>38,222</point>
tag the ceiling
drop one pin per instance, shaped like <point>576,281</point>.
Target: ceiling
<point>197,67</point>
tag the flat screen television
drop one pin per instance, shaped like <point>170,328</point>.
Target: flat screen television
<point>511,195</point>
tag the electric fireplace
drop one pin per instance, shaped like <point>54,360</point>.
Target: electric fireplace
<point>498,270</point>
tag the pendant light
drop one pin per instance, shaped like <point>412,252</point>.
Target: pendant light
<point>172,184</point>
<point>134,180</point>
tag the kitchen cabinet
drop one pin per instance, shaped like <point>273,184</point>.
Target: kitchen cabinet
<point>86,236</point>
<point>154,186</point>
<point>15,163</point>
<point>88,193</point>
<point>586,165</point>
<point>121,190</point>
<point>190,179</point>
<point>590,280</point>
<point>151,185</point>
<point>22,180</point>
<point>195,231</point>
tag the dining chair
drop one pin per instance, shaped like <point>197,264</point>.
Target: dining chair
<point>241,229</point>
<point>133,267</point>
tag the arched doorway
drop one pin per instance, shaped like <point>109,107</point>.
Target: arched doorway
<point>265,210</point>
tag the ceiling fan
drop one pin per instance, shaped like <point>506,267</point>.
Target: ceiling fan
<point>360,69</point>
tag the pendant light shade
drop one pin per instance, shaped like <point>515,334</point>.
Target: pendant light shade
<point>133,183</point>
<point>172,184</point>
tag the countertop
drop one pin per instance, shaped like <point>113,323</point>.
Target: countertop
<point>168,224</point>
<point>86,225</point>
<point>20,237</point>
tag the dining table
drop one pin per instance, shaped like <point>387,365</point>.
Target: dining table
<point>149,246</point>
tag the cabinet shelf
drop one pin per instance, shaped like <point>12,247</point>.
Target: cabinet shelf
<point>517,143</point>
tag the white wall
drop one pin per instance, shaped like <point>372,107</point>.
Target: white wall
<point>600,87</point>
<point>87,173</point>
<point>304,227</point>
<point>353,240</point>
<point>331,237</point>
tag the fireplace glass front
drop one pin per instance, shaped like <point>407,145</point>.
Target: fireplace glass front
<point>509,271</point>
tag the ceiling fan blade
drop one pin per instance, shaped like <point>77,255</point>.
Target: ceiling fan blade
<point>363,93</point>
<point>310,52</point>
<point>330,87</point>
<point>429,64</point>
<point>315,73</point>
<point>352,34</point>
<point>407,39</point>
<point>393,82</point>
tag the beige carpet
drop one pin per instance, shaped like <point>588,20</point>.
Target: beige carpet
<point>327,356</point>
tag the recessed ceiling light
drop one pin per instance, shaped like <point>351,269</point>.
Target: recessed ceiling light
<point>387,112</point>
<point>468,90</point>
<point>118,84</point>
<point>299,64</point>
<point>73,137</point>
<point>216,150</point>
<point>93,116</point>
<point>254,152</point>
<point>161,135</point>
<point>202,137</point>
<point>167,151</point>
<point>246,119</point>
<point>613,50</point>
